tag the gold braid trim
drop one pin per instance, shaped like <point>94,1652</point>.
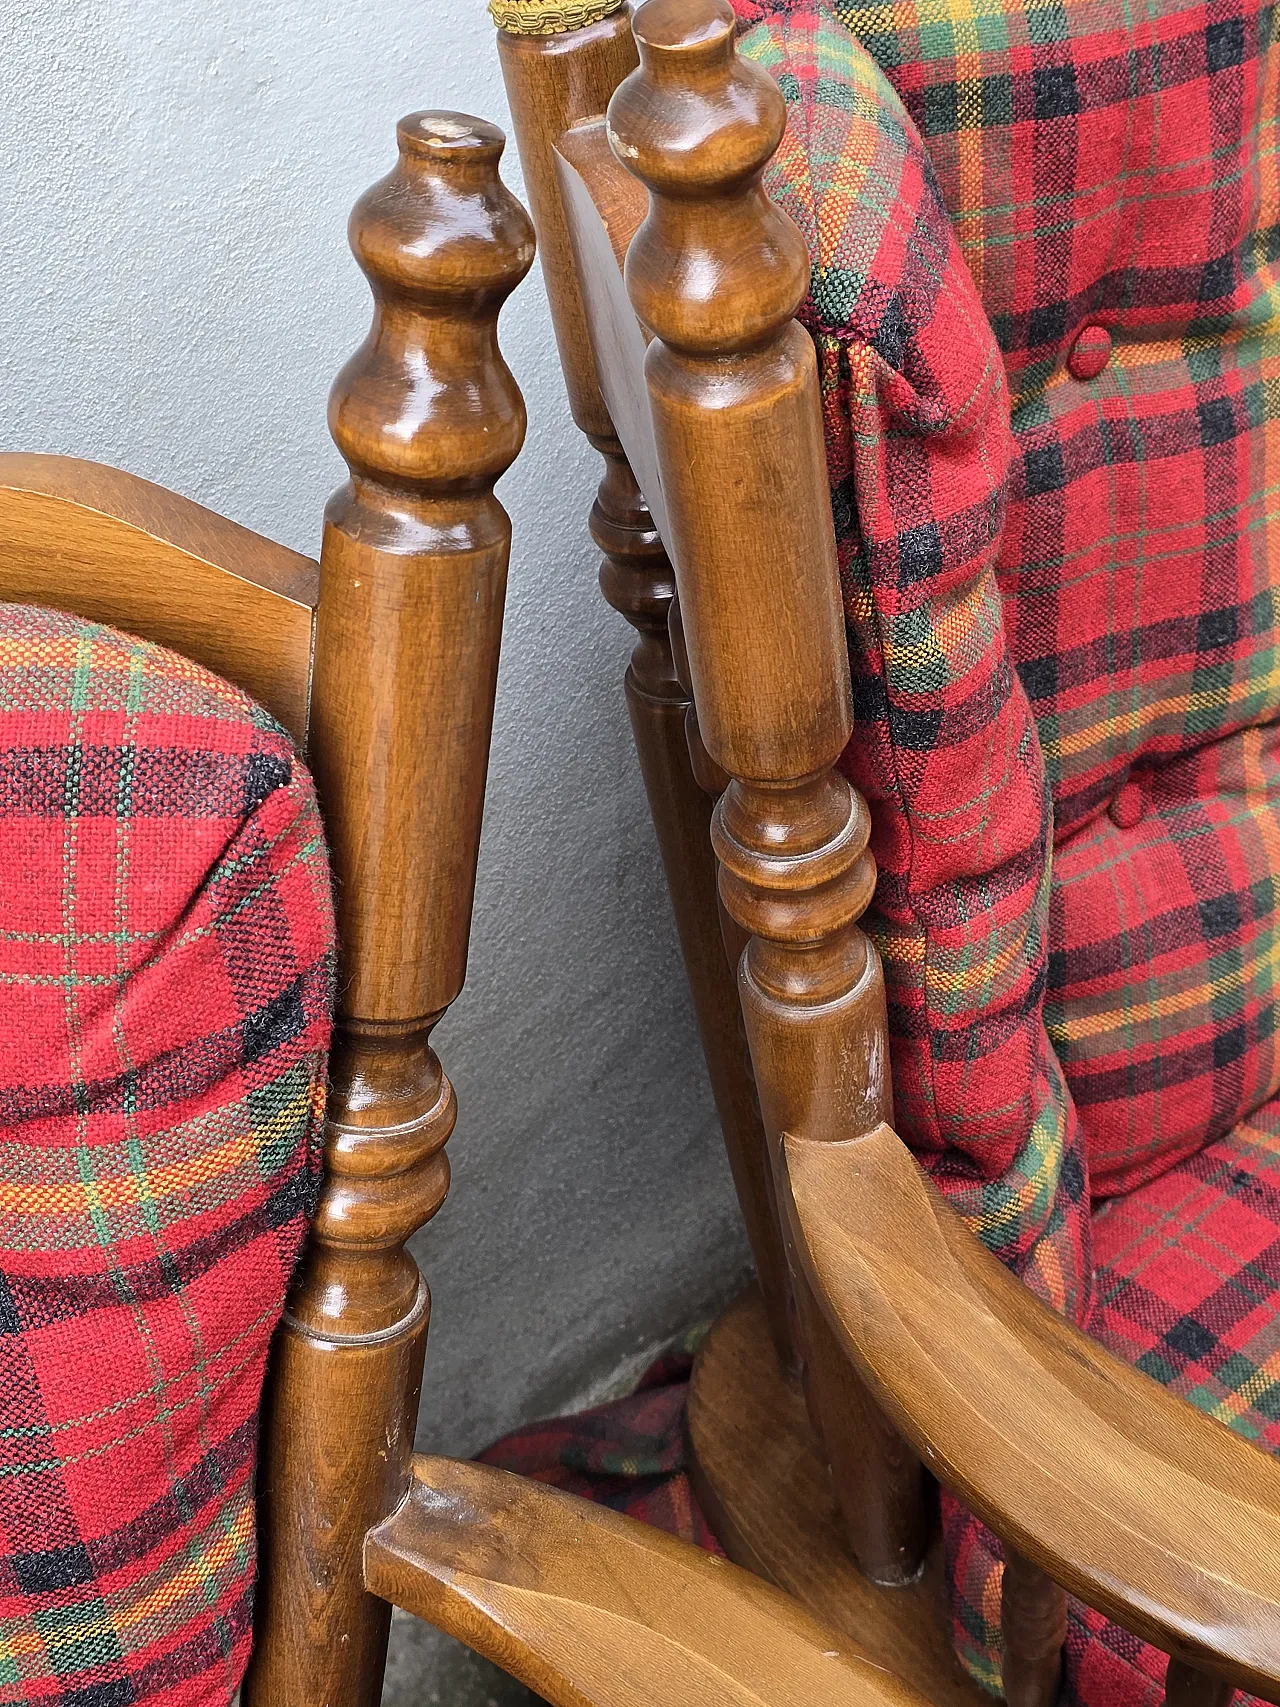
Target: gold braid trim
<point>549,17</point>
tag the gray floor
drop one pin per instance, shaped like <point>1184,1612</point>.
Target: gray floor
<point>426,1669</point>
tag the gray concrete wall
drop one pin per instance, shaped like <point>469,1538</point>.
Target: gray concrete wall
<point>177,298</point>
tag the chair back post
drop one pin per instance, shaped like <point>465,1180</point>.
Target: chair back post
<point>716,273</point>
<point>555,77</point>
<point>413,575</point>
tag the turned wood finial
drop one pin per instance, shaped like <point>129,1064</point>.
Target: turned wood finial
<point>702,156</point>
<point>427,416</point>
<point>412,577</point>
<point>427,402</point>
<point>717,271</point>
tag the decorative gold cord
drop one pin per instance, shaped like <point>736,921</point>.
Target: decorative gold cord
<point>549,17</point>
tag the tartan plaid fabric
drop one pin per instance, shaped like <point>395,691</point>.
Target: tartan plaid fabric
<point>919,448</point>
<point>1104,191</point>
<point>1188,1291</point>
<point>1045,298</point>
<point>628,1454</point>
<point>166,941</point>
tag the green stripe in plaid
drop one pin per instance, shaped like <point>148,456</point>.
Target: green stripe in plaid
<point>166,941</point>
<point>1046,301</point>
<point>1188,1291</point>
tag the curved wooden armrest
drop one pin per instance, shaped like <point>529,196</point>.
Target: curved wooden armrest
<point>115,549</point>
<point>1147,1509</point>
<point>592,1609</point>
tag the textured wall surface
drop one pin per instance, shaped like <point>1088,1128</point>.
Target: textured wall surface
<point>177,297</point>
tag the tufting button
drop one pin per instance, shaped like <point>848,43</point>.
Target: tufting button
<point>1128,806</point>
<point>1090,353</point>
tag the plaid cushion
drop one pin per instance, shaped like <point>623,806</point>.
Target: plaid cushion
<point>1111,197</point>
<point>1188,1290</point>
<point>165,950</point>
<point>628,1454</point>
<point>1046,304</point>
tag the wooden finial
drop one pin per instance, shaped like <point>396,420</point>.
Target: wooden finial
<point>427,416</point>
<point>413,574</point>
<point>717,270</point>
<point>716,273</point>
<point>427,403</point>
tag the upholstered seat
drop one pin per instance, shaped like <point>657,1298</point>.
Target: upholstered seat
<point>1046,302</point>
<point>166,941</point>
<point>1187,1289</point>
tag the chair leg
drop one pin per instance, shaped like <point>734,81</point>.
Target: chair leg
<point>1033,1621</point>
<point>338,1436</point>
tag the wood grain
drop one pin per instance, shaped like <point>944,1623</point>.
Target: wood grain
<point>592,1609</point>
<point>760,1477</point>
<point>413,568</point>
<point>552,82</point>
<point>80,537</point>
<point>1186,1687</point>
<point>716,273</point>
<point>1128,1497</point>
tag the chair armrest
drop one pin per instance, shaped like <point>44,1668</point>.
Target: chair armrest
<point>592,1609</point>
<point>1147,1509</point>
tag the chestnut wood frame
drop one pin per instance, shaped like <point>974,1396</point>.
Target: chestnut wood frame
<point>1097,1479</point>
<point>382,659</point>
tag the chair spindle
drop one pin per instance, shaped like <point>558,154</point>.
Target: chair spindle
<point>553,80</point>
<point>413,576</point>
<point>1184,1686</point>
<point>1033,1622</point>
<point>716,273</point>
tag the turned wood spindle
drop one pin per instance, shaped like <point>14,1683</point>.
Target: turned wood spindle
<point>1033,1622</point>
<point>1185,1686</point>
<point>555,76</point>
<point>716,273</point>
<point>413,575</point>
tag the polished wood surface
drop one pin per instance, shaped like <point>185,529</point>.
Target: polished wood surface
<point>413,573</point>
<point>716,273</point>
<point>636,578</point>
<point>80,537</point>
<point>760,1478</point>
<point>586,1606</point>
<point>1143,1506</point>
<point>604,206</point>
<point>554,84</point>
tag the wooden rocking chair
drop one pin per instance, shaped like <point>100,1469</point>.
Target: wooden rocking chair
<point>382,662</point>
<point>918,1348</point>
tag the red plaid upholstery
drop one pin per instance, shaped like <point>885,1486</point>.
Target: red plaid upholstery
<point>166,940</point>
<point>628,1454</point>
<point>1188,1290</point>
<point>946,752</point>
<point>1046,303</point>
